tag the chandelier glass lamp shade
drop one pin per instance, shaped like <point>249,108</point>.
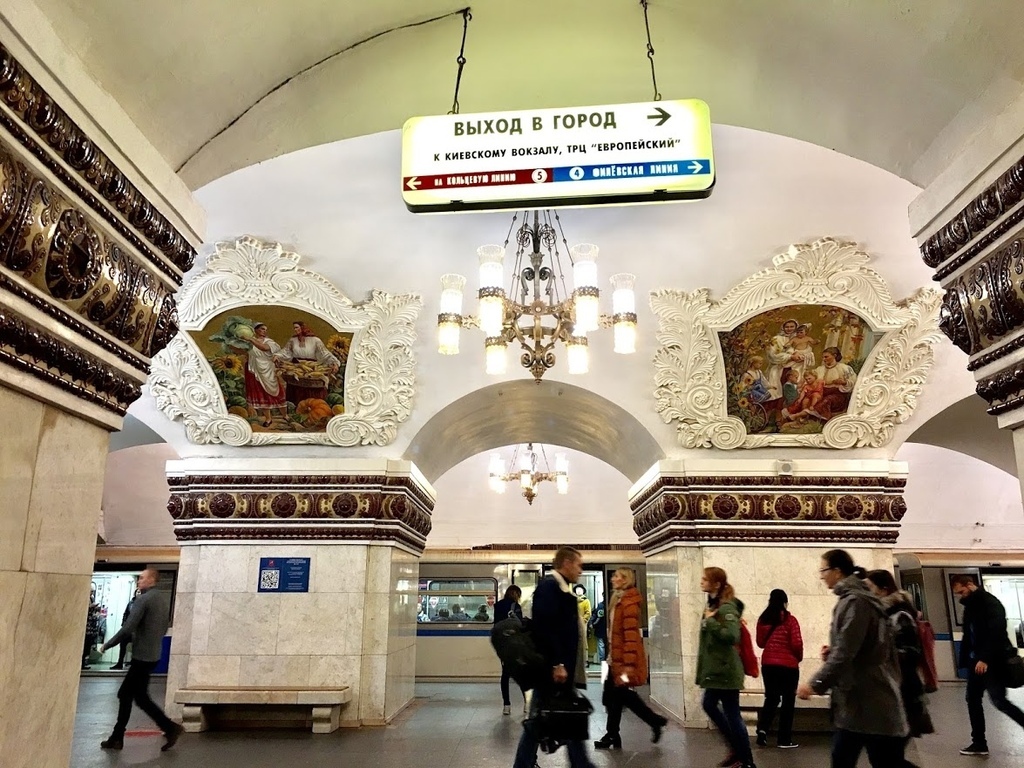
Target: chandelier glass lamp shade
<point>537,311</point>
<point>528,472</point>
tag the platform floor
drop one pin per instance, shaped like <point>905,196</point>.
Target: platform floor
<point>461,726</point>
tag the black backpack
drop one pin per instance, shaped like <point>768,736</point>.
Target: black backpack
<point>518,652</point>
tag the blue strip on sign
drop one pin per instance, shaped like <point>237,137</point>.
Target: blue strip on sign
<point>943,636</point>
<point>453,632</point>
<point>631,170</point>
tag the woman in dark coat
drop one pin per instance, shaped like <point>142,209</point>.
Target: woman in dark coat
<point>627,666</point>
<point>903,617</point>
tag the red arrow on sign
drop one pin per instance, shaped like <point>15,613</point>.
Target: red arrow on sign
<point>479,179</point>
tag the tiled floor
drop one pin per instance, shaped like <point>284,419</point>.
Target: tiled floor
<point>461,726</point>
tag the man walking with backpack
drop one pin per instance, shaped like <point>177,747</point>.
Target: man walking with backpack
<point>984,653</point>
<point>557,630</point>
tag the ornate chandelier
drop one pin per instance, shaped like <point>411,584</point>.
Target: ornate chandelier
<point>537,293</point>
<point>528,475</point>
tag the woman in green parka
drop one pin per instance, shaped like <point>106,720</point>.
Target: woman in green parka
<point>719,669</point>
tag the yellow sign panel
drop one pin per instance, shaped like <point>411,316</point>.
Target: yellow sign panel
<point>650,152</point>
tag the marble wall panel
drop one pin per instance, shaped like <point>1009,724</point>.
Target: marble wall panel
<point>225,568</point>
<point>188,568</point>
<point>373,689</point>
<point>184,613</point>
<point>378,569</point>
<point>42,619</point>
<point>177,674</point>
<point>202,617</point>
<point>212,670</point>
<point>400,684</point>
<point>376,622</point>
<point>340,568</point>
<point>320,624</point>
<point>18,451</point>
<point>67,492</point>
<point>327,671</point>
<point>246,622</point>
<point>274,670</point>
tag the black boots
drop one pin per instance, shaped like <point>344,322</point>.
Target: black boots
<point>609,741</point>
<point>657,728</point>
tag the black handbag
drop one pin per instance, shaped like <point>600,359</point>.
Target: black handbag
<point>1015,672</point>
<point>562,717</point>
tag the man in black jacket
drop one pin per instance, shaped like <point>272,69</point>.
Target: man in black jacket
<point>556,630</point>
<point>984,651</point>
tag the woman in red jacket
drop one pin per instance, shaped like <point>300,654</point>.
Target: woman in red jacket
<point>778,632</point>
<point>627,662</point>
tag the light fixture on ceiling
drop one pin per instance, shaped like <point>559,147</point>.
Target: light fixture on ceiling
<point>528,473</point>
<point>537,292</point>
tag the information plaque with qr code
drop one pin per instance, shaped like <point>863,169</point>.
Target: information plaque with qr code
<point>284,574</point>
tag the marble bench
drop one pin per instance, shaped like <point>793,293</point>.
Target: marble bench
<point>326,703</point>
<point>811,715</point>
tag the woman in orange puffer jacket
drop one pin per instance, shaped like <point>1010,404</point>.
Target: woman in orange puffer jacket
<point>627,661</point>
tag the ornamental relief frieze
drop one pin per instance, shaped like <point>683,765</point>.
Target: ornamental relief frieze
<point>32,349</point>
<point>769,508</point>
<point>308,505</point>
<point>41,115</point>
<point>50,244</point>
<point>754,536</point>
<point>986,303</point>
<point>991,206</point>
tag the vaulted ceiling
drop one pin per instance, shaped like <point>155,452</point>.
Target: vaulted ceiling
<point>220,86</point>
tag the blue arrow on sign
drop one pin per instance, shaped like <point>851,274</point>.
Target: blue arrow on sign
<point>694,167</point>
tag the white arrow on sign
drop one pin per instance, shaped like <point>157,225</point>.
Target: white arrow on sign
<point>413,183</point>
<point>696,167</point>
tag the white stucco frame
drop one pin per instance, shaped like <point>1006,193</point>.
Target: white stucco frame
<point>690,369</point>
<point>379,377</point>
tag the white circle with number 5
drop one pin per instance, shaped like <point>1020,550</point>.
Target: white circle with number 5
<point>576,173</point>
<point>540,175</point>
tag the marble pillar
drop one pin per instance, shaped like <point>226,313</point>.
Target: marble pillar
<point>88,269</point>
<point>356,626</point>
<point>51,483</point>
<point>767,531</point>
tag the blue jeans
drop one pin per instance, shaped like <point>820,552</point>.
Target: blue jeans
<point>728,720</point>
<point>883,751</point>
<point>526,752</point>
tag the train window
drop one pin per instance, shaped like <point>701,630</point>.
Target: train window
<point>455,601</point>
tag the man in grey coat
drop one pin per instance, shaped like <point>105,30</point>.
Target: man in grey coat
<point>145,627</point>
<point>861,670</point>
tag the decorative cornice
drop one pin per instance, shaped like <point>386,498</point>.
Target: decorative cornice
<point>999,197</point>
<point>1004,391</point>
<point>990,357</point>
<point>690,388</point>
<point>27,99</point>
<point>47,242</point>
<point>31,348</point>
<point>350,506</point>
<point>753,536</point>
<point>304,533</point>
<point>834,484</point>
<point>66,318</point>
<point>986,303</point>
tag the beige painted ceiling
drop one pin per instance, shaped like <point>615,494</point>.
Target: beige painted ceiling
<point>218,86</point>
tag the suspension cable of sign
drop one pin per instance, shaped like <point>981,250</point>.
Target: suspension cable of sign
<point>650,53</point>
<point>461,60</point>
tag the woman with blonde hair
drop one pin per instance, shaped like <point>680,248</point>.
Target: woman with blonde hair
<point>627,666</point>
<point>719,668</point>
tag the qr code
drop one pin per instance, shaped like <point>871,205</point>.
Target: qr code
<point>270,579</point>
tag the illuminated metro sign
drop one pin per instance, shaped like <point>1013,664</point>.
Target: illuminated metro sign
<point>621,153</point>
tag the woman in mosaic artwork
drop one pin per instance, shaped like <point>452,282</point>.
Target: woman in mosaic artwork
<point>304,345</point>
<point>264,389</point>
<point>838,379</point>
